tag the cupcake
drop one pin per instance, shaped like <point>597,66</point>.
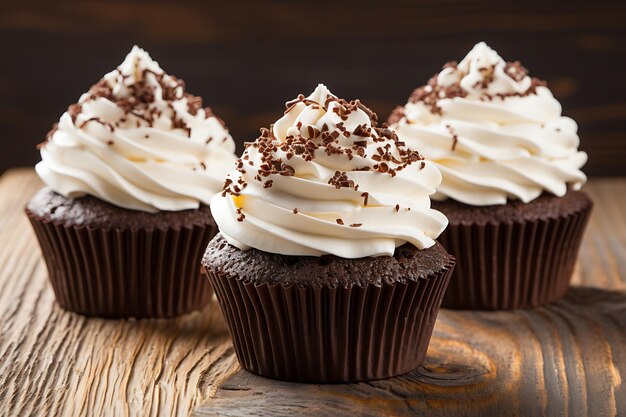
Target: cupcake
<point>130,171</point>
<point>511,179</point>
<point>326,267</point>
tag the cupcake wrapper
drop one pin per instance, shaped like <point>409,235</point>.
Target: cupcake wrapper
<point>328,335</point>
<point>513,265</point>
<point>125,273</point>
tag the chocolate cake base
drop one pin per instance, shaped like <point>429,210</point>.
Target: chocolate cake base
<point>512,256</point>
<point>112,262</point>
<point>329,319</point>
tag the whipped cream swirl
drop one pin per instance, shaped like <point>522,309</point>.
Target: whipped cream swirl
<point>326,180</point>
<point>139,141</point>
<point>494,132</point>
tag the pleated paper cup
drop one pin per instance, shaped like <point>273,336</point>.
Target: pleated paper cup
<point>117,273</point>
<point>513,265</point>
<point>327,334</point>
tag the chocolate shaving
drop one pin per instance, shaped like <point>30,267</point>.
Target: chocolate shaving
<point>455,137</point>
<point>241,215</point>
<point>515,70</point>
<point>396,115</point>
<point>365,196</point>
<point>74,110</point>
<point>431,93</point>
<point>391,155</point>
<point>138,100</point>
<point>341,180</point>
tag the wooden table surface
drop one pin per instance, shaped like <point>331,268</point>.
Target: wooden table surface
<point>568,358</point>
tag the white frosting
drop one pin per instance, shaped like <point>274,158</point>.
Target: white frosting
<point>174,161</point>
<point>500,140</point>
<point>297,214</point>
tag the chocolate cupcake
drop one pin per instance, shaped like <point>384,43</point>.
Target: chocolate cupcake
<point>326,267</point>
<point>511,179</point>
<point>130,171</point>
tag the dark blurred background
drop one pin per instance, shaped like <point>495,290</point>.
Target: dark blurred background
<point>247,58</point>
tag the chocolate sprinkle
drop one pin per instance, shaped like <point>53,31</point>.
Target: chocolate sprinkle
<point>340,179</point>
<point>365,196</point>
<point>455,137</point>
<point>367,141</point>
<point>241,215</point>
<point>431,93</point>
<point>138,100</point>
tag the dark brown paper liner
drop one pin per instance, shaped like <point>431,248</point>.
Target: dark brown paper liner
<point>325,334</point>
<point>125,273</point>
<point>513,265</point>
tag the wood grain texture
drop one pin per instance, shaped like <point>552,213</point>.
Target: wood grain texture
<point>568,358</point>
<point>53,362</point>
<point>247,58</point>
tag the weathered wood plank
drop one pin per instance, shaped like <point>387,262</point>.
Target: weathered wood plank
<point>602,258</point>
<point>57,363</point>
<point>565,359</point>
